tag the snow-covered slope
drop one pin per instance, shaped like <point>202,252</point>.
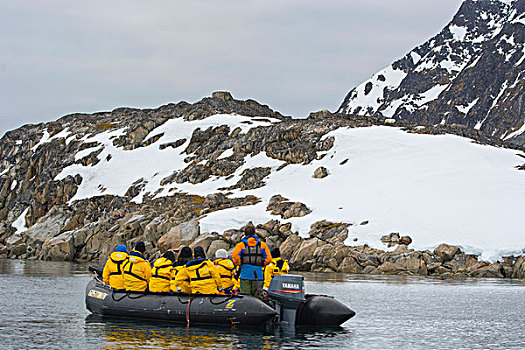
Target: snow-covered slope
<point>434,188</point>
<point>471,73</point>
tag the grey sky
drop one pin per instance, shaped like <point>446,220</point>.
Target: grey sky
<point>297,56</point>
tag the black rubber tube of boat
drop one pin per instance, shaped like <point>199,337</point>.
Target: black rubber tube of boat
<point>117,300</point>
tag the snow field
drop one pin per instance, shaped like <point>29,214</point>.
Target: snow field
<point>437,189</point>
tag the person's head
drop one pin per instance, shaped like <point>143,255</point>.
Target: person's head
<point>140,247</point>
<point>276,253</point>
<point>249,230</point>
<point>184,254</point>
<point>198,252</point>
<point>170,255</point>
<point>221,253</point>
<point>121,248</point>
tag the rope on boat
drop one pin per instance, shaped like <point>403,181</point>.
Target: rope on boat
<point>117,300</point>
<point>188,313</point>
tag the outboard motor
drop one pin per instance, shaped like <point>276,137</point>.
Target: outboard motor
<point>288,292</point>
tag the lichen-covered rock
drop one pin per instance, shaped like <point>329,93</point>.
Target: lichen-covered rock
<point>290,245</point>
<point>320,172</point>
<point>446,252</point>
<point>279,205</point>
<point>329,231</point>
<point>183,234</point>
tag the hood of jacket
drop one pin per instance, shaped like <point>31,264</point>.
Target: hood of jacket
<point>162,262</point>
<point>250,241</point>
<point>193,264</point>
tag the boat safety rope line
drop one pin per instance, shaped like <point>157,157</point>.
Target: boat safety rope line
<point>222,302</point>
<point>137,297</point>
<point>188,313</point>
<point>117,300</point>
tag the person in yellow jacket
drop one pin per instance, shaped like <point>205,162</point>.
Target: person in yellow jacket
<point>161,273</point>
<point>137,270</point>
<point>278,266</point>
<point>203,275</point>
<point>226,269</point>
<point>182,285</point>
<point>112,273</point>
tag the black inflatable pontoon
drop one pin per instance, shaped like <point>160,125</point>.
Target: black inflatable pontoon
<point>287,305</point>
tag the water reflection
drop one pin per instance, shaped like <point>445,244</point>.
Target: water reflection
<point>124,334</point>
<point>337,277</point>
<point>41,268</point>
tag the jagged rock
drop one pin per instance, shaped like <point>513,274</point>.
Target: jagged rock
<point>304,252</point>
<point>183,234</point>
<point>518,269</point>
<point>349,265</point>
<point>279,205</point>
<point>46,227</point>
<point>389,268</point>
<point>204,240</point>
<point>290,245</point>
<point>251,179</point>
<point>59,248</point>
<point>406,240</point>
<point>216,245</point>
<point>446,252</point>
<point>320,172</point>
<point>18,250</point>
<point>331,232</point>
<point>492,271</point>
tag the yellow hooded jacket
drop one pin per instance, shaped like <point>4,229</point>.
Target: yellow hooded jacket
<point>181,285</point>
<point>226,270</point>
<point>203,276</point>
<point>112,274</point>
<point>137,272</point>
<point>278,266</point>
<point>161,275</point>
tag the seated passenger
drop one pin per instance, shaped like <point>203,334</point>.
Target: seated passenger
<point>226,269</point>
<point>203,275</point>
<point>161,273</point>
<point>137,270</point>
<point>112,273</point>
<point>181,285</point>
<point>278,266</point>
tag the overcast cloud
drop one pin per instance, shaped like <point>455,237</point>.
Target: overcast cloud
<point>297,56</point>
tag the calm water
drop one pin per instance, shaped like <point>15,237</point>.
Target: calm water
<point>42,306</point>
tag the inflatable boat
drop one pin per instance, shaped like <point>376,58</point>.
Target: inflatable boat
<point>286,305</point>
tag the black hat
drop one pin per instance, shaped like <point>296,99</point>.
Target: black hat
<point>276,253</point>
<point>198,252</point>
<point>185,254</point>
<point>140,247</point>
<point>170,255</point>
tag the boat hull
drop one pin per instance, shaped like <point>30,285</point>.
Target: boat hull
<point>180,308</point>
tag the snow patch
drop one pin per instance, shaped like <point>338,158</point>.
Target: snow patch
<point>373,99</point>
<point>458,32</point>
<point>151,163</point>
<point>434,188</point>
<point>430,95</point>
<point>517,132</point>
<point>47,138</point>
<point>227,153</point>
<point>467,108</point>
<point>415,57</point>
<point>20,223</point>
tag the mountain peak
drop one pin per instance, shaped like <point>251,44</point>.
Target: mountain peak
<point>471,73</point>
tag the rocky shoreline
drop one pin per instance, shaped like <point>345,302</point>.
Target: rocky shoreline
<point>323,251</point>
<point>39,220</point>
